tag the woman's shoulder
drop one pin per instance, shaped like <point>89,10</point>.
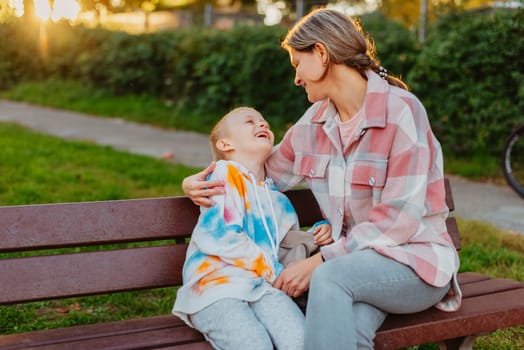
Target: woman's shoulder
<point>406,111</point>
<point>396,97</point>
<point>405,97</point>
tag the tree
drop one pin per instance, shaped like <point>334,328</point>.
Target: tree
<point>409,12</point>
<point>29,8</point>
<point>5,10</point>
<point>112,6</point>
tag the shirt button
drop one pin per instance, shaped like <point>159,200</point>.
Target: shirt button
<point>362,132</point>
<point>311,173</point>
<point>371,181</point>
<point>340,212</point>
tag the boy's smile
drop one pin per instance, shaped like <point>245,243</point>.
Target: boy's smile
<point>248,133</point>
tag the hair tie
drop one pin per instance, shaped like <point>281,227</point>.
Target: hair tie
<point>383,72</point>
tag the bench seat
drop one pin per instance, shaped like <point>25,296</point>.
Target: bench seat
<point>143,333</point>
<point>489,304</point>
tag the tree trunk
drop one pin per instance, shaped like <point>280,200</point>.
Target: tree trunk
<point>423,20</point>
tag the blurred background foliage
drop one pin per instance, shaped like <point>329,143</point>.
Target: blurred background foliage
<point>468,72</point>
<point>471,79</point>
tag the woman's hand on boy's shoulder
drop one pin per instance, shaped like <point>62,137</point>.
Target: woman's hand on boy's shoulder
<point>200,190</point>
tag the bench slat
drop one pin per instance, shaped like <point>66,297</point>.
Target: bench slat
<point>306,206</point>
<point>451,225</point>
<point>87,273</point>
<point>151,339</point>
<point>477,315</point>
<point>203,345</point>
<point>193,346</point>
<point>121,334</point>
<point>50,226</point>
<point>469,277</point>
<point>489,286</point>
<point>450,202</point>
<point>68,334</point>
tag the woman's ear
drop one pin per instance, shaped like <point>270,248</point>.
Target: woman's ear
<point>322,52</point>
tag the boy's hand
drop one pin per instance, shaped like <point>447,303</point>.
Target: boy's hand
<point>322,234</point>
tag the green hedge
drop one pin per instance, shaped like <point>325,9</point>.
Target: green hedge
<point>397,48</point>
<point>19,58</point>
<point>200,71</point>
<point>468,73</point>
<point>470,77</point>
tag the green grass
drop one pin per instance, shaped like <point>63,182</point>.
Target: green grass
<point>492,251</point>
<point>86,310</point>
<point>74,96</point>
<point>497,253</point>
<point>36,168</point>
<point>477,168</point>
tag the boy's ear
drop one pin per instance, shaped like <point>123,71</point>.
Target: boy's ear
<point>223,145</point>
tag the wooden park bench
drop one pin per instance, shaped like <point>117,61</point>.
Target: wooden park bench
<point>489,303</point>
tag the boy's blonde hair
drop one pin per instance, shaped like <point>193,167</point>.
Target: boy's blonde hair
<point>219,132</point>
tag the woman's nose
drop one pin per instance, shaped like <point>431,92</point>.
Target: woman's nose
<point>264,124</point>
<point>298,81</point>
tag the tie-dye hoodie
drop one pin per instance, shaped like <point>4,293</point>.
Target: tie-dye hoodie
<point>233,251</point>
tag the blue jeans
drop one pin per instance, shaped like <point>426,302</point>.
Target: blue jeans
<point>350,296</point>
<point>234,324</point>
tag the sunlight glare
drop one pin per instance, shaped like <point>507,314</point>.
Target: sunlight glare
<point>18,6</point>
<point>43,9</point>
<point>367,6</point>
<point>272,11</point>
<point>65,9</point>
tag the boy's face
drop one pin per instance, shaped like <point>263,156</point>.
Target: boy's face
<point>247,131</point>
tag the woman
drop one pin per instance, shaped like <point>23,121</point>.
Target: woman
<point>366,150</point>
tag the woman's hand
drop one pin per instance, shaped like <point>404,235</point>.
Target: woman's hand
<point>295,278</point>
<point>199,190</point>
<point>322,234</point>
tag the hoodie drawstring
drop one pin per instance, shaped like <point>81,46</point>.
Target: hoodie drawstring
<point>272,241</point>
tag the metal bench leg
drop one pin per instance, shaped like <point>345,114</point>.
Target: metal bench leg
<point>463,343</point>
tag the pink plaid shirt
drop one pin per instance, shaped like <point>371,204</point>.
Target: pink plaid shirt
<point>384,191</point>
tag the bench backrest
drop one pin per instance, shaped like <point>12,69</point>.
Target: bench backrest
<point>74,249</point>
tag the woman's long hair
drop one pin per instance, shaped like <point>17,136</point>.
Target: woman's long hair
<point>344,39</point>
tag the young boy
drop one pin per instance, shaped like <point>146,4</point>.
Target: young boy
<point>233,256</point>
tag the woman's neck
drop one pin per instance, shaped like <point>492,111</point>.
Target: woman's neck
<point>348,91</point>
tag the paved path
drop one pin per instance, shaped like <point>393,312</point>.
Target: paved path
<point>188,148</point>
<point>496,204</point>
